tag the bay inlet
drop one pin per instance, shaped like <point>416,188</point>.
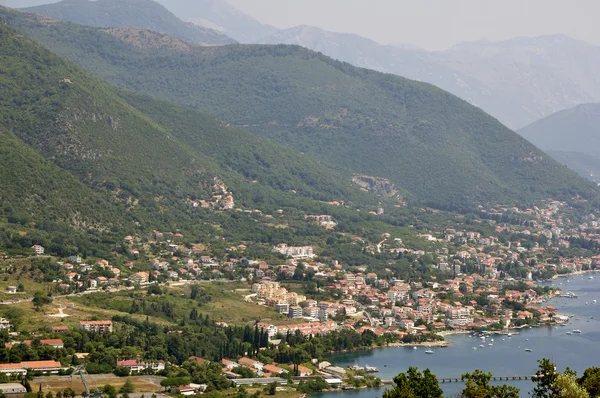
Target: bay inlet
<point>506,356</point>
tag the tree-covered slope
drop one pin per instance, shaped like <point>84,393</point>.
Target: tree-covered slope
<point>130,13</point>
<point>571,136</point>
<point>76,156</point>
<point>575,129</point>
<point>34,189</point>
<point>434,145</point>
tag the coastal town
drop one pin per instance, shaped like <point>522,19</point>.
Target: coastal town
<point>482,279</point>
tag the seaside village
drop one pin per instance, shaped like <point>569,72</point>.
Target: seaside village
<point>481,293</point>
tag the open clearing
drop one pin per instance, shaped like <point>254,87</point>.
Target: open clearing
<point>59,383</point>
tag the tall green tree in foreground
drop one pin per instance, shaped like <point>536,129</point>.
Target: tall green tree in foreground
<point>477,385</point>
<point>567,387</point>
<point>415,384</point>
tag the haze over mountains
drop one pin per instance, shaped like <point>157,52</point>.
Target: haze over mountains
<point>572,136</point>
<point>517,81</point>
<point>433,146</point>
<point>130,13</point>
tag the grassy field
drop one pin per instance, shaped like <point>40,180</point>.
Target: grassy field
<point>220,301</point>
<point>59,383</point>
<point>13,279</point>
<point>34,320</point>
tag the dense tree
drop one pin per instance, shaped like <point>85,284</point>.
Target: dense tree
<point>566,386</point>
<point>415,384</point>
<point>477,385</point>
<point>544,378</point>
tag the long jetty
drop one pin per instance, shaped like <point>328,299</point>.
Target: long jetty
<point>459,379</point>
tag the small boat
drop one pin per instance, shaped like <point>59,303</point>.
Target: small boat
<point>492,340</point>
<point>490,344</point>
<point>576,331</point>
<point>509,334</point>
<point>481,346</point>
<point>528,350</point>
<point>591,317</point>
<point>593,301</point>
<point>415,347</point>
<point>526,339</point>
<point>474,348</point>
<point>591,277</point>
<point>429,351</point>
<point>569,333</point>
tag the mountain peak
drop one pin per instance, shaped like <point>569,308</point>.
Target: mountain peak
<point>146,14</point>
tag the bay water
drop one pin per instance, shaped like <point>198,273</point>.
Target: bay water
<point>507,355</point>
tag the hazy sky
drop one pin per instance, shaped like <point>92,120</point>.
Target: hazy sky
<point>434,24</point>
<point>431,24</point>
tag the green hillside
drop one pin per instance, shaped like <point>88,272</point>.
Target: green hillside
<point>572,137</point>
<point>80,167</point>
<point>130,13</point>
<point>576,129</point>
<point>433,145</point>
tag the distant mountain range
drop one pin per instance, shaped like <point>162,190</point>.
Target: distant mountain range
<point>571,136</point>
<point>130,13</point>
<point>433,146</point>
<point>219,15</point>
<point>517,81</point>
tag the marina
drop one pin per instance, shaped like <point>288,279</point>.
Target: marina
<point>509,354</point>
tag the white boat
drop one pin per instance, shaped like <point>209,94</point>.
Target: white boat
<point>593,301</point>
<point>490,344</point>
<point>526,339</point>
<point>528,350</point>
<point>591,277</point>
<point>415,347</point>
<point>569,333</point>
<point>492,340</point>
<point>481,346</point>
<point>429,351</point>
<point>474,348</point>
<point>576,331</point>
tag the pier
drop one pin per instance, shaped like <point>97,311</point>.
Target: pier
<point>459,380</point>
<point>494,378</point>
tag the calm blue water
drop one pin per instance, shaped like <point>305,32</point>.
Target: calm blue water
<point>508,357</point>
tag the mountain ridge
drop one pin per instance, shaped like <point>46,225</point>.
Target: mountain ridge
<point>572,136</point>
<point>515,95</point>
<point>425,141</point>
<point>130,13</point>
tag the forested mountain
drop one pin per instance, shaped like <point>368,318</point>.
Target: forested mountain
<point>517,81</point>
<point>571,136</point>
<point>130,13</point>
<point>83,161</point>
<point>429,143</point>
<point>219,15</point>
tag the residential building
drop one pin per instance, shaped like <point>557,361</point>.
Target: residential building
<point>140,277</point>
<point>49,367</point>
<point>295,311</point>
<point>5,324</point>
<point>38,249</point>
<point>137,366</point>
<point>96,326</point>
<point>283,308</point>
<point>13,390</point>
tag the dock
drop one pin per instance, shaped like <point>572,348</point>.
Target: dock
<point>459,379</point>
